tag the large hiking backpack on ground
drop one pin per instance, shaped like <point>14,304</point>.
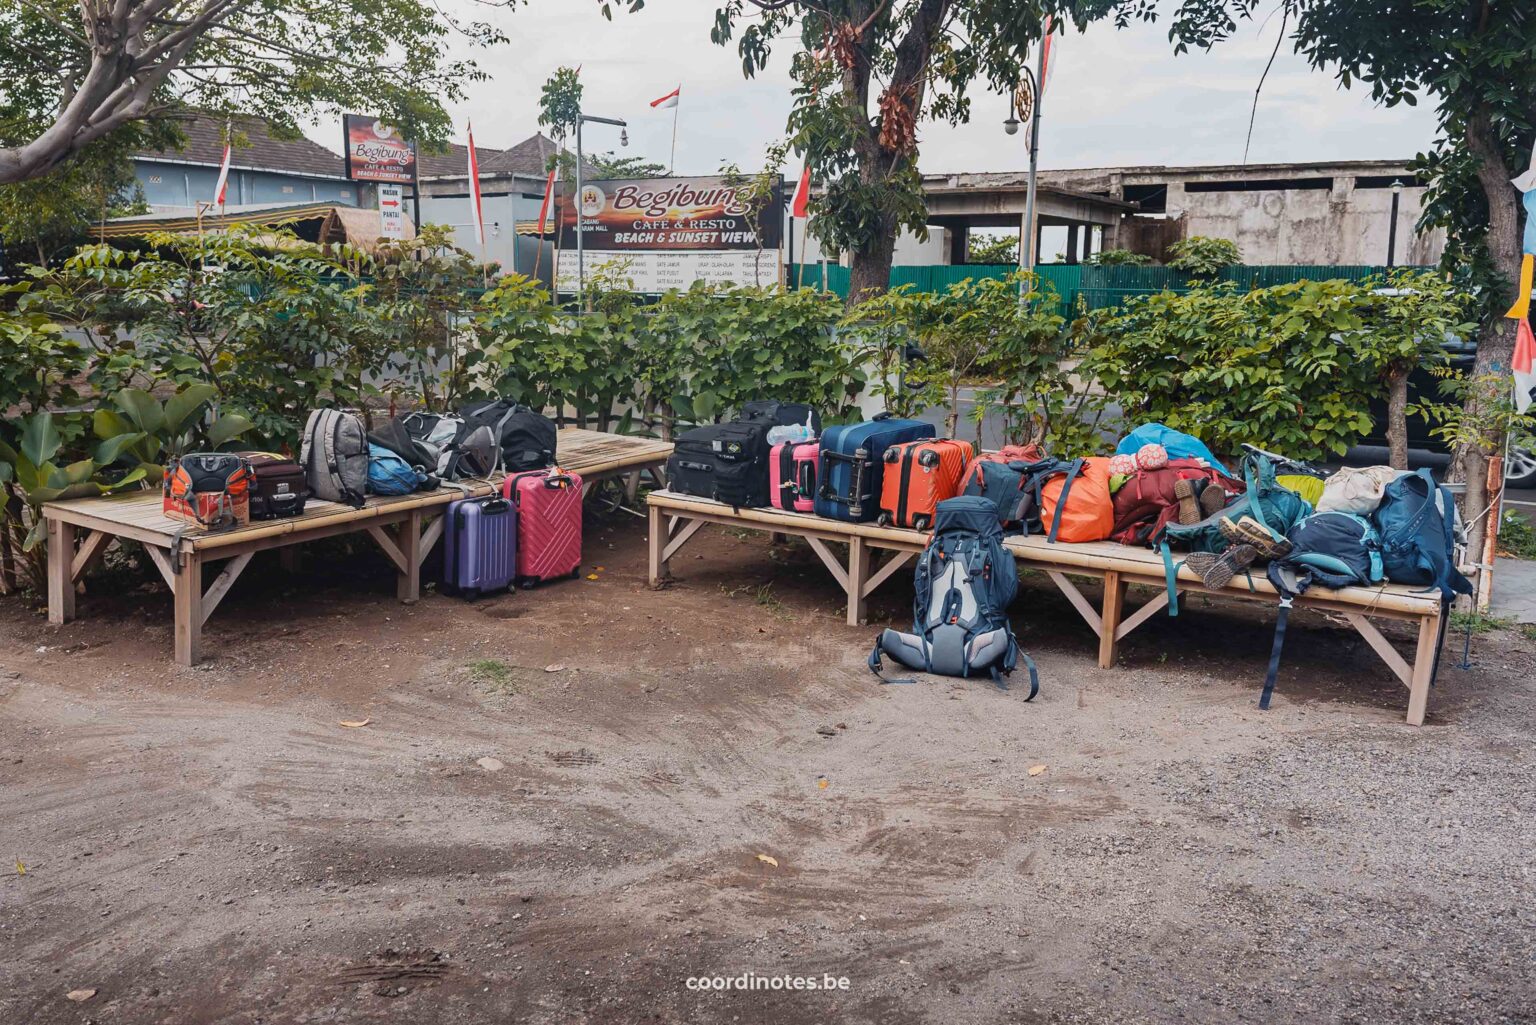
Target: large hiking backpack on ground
<point>853,462</point>
<point>1071,500</point>
<point>965,582</point>
<point>918,475</point>
<point>334,454</point>
<point>1329,549</point>
<point>1417,523</point>
<point>1146,502</point>
<point>725,462</point>
<point>523,438</point>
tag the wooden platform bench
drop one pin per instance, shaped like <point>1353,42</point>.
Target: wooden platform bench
<point>876,553</point>
<point>405,528</point>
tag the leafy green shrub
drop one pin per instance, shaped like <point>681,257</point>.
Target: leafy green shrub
<point>1289,368</point>
<point>1202,256</point>
<point>1118,258</point>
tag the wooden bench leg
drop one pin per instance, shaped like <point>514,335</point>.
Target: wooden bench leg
<point>61,563</point>
<point>1423,670</point>
<point>408,584</point>
<point>288,559</point>
<point>1109,618</point>
<point>858,574</point>
<point>656,544</point>
<point>189,609</point>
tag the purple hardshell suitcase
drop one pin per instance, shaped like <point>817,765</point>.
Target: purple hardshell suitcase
<point>480,545</point>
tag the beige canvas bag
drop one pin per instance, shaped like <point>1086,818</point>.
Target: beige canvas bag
<point>1357,491</point>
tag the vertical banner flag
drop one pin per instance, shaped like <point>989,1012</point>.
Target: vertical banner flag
<point>549,190</point>
<point>474,187</point>
<point>222,185</point>
<point>1524,362</point>
<point>1048,62</point>
<point>801,206</point>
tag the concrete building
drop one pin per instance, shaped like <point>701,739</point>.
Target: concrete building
<point>263,171</point>
<point>1310,213</point>
<point>1289,214</point>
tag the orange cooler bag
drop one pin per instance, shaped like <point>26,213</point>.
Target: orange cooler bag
<point>918,475</point>
<point>1075,504</point>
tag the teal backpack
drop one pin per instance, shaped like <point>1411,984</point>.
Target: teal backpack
<point>1265,499</point>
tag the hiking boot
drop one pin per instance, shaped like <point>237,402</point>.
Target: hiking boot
<point>1217,571</point>
<point>1213,499</point>
<point>1250,531</point>
<point>1189,502</point>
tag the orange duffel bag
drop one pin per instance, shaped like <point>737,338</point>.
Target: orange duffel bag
<point>1074,502</point>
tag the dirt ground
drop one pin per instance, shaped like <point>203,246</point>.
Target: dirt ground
<point>211,845</point>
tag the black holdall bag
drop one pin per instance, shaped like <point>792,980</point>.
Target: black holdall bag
<point>726,462</point>
<point>524,438</point>
<point>782,414</point>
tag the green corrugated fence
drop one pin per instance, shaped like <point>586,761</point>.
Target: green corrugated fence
<point>1092,286</point>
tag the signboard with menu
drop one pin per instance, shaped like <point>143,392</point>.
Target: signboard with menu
<point>665,233</point>
<point>376,152</point>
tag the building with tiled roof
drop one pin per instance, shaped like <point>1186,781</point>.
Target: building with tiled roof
<point>264,170</point>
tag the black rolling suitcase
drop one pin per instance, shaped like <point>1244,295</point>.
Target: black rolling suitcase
<point>725,462</point>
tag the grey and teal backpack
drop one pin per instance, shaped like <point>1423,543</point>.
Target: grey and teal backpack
<point>965,582</point>
<point>1264,498</point>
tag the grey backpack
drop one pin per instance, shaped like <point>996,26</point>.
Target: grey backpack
<point>334,455</point>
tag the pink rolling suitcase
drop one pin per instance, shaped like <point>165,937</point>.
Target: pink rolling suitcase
<point>792,475</point>
<point>548,524</point>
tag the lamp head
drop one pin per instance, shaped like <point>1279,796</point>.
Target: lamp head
<point>623,136</point>
<point>1011,126</point>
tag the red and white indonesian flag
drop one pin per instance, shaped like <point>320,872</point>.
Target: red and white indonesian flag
<point>1048,63</point>
<point>1524,365</point>
<point>222,185</point>
<point>669,100</point>
<point>474,187</point>
<point>801,207</point>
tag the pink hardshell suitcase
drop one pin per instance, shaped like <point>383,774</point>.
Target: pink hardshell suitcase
<point>548,524</point>
<point>792,475</point>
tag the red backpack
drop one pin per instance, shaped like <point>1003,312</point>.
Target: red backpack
<point>1146,503</point>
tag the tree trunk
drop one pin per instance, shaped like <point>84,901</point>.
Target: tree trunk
<point>871,273</point>
<point>1397,417</point>
<point>1496,341</point>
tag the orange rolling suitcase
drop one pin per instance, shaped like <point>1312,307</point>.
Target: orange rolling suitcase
<point>918,476</point>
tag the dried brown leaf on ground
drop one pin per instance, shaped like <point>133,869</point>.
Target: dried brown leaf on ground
<point>80,996</point>
<point>1035,770</point>
<point>353,724</point>
<point>768,859</point>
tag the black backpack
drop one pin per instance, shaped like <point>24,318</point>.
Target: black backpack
<point>782,414</point>
<point>725,462</point>
<point>523,439</point>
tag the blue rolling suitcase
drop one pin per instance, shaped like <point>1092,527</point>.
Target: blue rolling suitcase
<point>480,545</point>
<point>848,483</point>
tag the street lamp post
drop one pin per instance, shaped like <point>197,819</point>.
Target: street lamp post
<point>1397,194</point>
<point>1032,79</point>
<point>581,257</point>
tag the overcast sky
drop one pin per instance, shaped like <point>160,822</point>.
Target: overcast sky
<point>1115,97</point>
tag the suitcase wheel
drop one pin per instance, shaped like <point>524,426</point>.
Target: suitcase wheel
<point>920,523</point>
<point>884,519</point>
